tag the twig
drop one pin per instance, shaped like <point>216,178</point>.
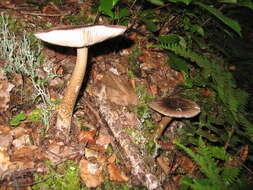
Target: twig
<point>45,14</point>
<point>28,184</point>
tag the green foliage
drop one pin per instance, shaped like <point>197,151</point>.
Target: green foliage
<point>64,177</point>
<point>23,57</point>
<point>18,119</point>
<point>78,19</point>
<point>142,109</point>
<point>35,116</point>
<point>133,66</point>
<point>214,76</point>
<point>108,7</point>
<point>228,21</point>
<point>211,160</point>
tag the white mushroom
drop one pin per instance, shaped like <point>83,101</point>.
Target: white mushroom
<point>80,37</point>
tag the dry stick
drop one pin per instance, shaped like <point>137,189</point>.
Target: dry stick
<point>44,14</point>
<point>139,168</point>
<point>102,124</point>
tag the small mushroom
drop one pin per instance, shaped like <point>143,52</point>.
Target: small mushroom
<point>173,107</point>
<point>80,37</point>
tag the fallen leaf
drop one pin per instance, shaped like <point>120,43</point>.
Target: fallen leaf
<point>153,89</point>
<point>116,174</point>
<point>164,162</point>
<point>118,90</point>
<point>19,131</point>
<point>241,156</point>
<point>5,88</point>
<point>57,82</point>
<point>91,173</point>
<point>87,137</point>
<point>5,141</point>
<point>112,159</point>
<point>4,162</point>
<point>21,141</point>
<point>56,151</point>
<point>27,153</point>
<point>104,140</point>
<point>18,80</point>
<point>4,129</point>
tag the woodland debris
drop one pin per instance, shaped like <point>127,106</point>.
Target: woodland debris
<point>91,173</point>
<point>116,174</point>
<point>117,118</point>
<point>5,88</point>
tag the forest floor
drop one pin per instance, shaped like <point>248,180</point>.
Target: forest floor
<point>97,159</point>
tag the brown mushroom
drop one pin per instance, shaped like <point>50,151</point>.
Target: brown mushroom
<point>80,37</point>
<point>173,107</point>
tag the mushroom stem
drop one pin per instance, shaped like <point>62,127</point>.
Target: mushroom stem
<point>161,126</point>
<point>66,108</point>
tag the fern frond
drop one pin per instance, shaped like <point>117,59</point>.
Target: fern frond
<point>222,82</point>
<point>205,160</point>
<point>230,174</point>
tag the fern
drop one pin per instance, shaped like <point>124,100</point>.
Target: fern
<point>223,83</point>
<point>216,177</point>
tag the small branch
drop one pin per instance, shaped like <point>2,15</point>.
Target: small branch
<point>44,14</point>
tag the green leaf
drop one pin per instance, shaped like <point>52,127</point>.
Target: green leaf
<point>150,24</point>
<point>114,2</point>
<point>187,2</point>
<point>198,29</point>
<point>227,1</point>
<point>246,3</point>
<point>178,63</point>
<point>106,7</point>
<point>36,114</point>
<point>157,2</point>
<point>228,21</point>
<point>17,119</point>
<point>122,13</point>
<point>169,39</point>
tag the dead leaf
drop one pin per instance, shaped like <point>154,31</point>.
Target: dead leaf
<point>118,90</point>
<point>87,137</point>
<point>19,131</point>
<point>56,82</point>
<point>5,88</point>
<point>153,89</point>
<point>186,164</point>
<point>116,174</point>
<point>91,173</point>
<point>104,140</point>
<point>4,129</point>
<point>18,80</point>
<point>56,151</point>
<point>5,141</point>
<point>4,162</point>
<point>112,159</point>
<point>21,141</point>
<point>164,162</point>
<point>27,153</point>
<point>241,156</point>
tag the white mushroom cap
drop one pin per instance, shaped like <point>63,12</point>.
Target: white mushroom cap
<point>176,107</point>
<point>80,36</point>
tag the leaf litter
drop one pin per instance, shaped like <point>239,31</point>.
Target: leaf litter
<point>105,125</point>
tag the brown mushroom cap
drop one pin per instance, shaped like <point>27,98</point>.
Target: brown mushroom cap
<point>176,107</point>
<point>80,36</point>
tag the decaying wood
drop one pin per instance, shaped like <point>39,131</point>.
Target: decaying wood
<point>119,120</point>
